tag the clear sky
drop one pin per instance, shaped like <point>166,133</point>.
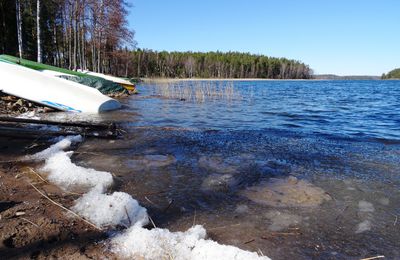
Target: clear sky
<point>344,37</point>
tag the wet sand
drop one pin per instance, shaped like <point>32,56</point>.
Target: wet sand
<point>31,225</point>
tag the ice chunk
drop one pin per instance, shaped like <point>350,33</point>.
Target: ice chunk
<point>138,242</point>
<point>61,144</point>
<point>105,210</point>
<point>69,176</point>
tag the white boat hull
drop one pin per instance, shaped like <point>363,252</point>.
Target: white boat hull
<point>52,91</point>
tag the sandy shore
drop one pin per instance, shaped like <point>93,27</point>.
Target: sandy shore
<point>31,225</point>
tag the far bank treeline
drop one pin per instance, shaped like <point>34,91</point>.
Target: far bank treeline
<point>394,74</point>
<point>148,63</point>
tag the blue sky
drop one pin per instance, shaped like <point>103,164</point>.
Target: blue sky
<point>353,37</point>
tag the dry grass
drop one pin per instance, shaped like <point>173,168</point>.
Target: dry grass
<point>198,91</point>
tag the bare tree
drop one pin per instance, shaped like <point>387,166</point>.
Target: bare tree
<point>19,27</point>
<point>39,46</point>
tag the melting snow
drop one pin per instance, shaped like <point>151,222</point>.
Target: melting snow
<point>158,243</point>
<point>120,208</point>
<point>104,210</point>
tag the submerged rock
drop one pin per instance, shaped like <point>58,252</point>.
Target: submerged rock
<point>151,161</point>
<point>289,192</point>
<point>281,221</point>
<point>363,226</point>
<point>217,164</point>
<point>217,182</point>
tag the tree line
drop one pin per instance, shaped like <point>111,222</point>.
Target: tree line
<point>149,63</point>
<point>394,74</point>
<point>94,35</point>
<point>84,34</point>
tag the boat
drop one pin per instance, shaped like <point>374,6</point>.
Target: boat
<point>51,91</point>
<point>123,82</point>
<point>103,85</point>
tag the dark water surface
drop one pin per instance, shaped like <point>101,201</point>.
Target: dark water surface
<point>292,169</point>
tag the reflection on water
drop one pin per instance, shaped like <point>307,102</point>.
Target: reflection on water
<point>297,170</point>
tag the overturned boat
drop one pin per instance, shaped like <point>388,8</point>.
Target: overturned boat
<point>51,91</point>
<point>106,87</point>
<point>121,81</point>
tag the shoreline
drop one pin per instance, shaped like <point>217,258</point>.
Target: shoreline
<point>32,225</point>
<point>172,80</point>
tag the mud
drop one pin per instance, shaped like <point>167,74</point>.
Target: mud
<point>32,227</point>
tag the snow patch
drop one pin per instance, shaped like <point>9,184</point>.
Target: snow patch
<point>70,176</point>
<point>105,210</point>
<point>157,243</point>
<point>61,145</point>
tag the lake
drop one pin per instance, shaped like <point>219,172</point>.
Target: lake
<point>292,169</point>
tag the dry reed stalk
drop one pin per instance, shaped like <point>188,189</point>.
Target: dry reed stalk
<point>374,257</point>
<point>64,208</point>
<point>198,91</point>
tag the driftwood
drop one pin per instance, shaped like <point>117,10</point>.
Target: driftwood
<point>13,127</point>
<point>23,133</point>
<point>108,126</point>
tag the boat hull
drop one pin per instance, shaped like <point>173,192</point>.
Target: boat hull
<point>51,91</point>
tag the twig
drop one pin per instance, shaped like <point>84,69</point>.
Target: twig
<point>37,174</point>
<point>248,242</point>
<point>152,222</point>
<point>374,257</point>
<point>194,217</point>
<point>233,225</point>
<point>64,208</point>
<point>280,234</point>
<point>395,221</point>
<point>44,180</point>
<point>129,219</point>
<point>169,205</point>
<point>27,220</point>
<point>150,201</point>
<point>91,153</point>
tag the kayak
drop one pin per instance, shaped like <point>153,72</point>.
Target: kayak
<point>123,82</point>
<point>51,91</point>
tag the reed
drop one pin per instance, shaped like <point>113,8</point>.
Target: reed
<point>198,91</point>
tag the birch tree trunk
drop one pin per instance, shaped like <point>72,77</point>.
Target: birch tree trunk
<point>19,27</point>
<point>39,47</point>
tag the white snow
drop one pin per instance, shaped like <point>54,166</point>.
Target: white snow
<point>157,243</point>
<point>120,208</point>
<point>62,144</point>
<point>70,176</point>
<point>105,210</point>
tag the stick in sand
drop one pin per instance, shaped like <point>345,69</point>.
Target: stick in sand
<point>64,208</point>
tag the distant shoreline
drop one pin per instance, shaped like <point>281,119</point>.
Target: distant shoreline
<point>168,80</point>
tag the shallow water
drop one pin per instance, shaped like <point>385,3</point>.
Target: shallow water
<point>292,169</point>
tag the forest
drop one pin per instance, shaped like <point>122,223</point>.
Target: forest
<point>148,63</point>
<point>94,35</point>
<point>394,74</point>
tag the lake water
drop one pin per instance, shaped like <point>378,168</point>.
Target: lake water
<point>292,169</point>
